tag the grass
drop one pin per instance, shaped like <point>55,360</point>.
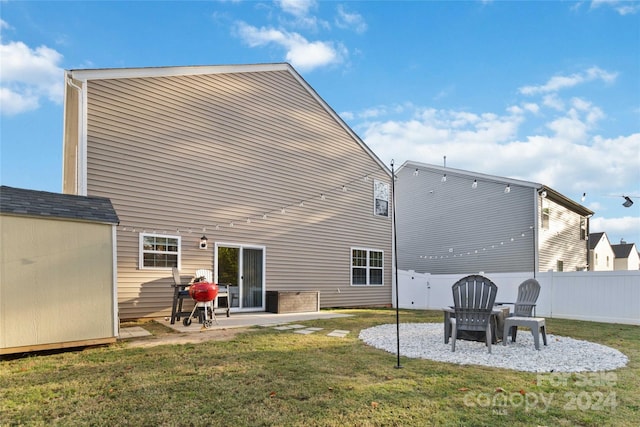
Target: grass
<point>265,377</point>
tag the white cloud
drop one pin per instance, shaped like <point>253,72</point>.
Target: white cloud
<point>578,121</point>
<point>373,112</point>
<point>623,7</point>
<point>12,102</point>
<point>558,83</point>
<point>27,75</point>
<point>553,101</point>
<point>623,226</point>
<point>531,107</point>
<point>298,8</point>
<point>302,54</point>
<point>569,158</point>
<point>352,21</point>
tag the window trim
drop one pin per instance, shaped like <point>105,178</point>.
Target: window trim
<point>141,250</point>
<point>368,267</point>
<point>381,192</point>
<point>546,218</point>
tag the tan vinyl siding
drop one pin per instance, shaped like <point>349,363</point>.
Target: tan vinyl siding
<point>71,139</point>
<point>180,155</point>
<point>561,242</point>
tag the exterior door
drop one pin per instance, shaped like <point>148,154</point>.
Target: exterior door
<point>242,268</point>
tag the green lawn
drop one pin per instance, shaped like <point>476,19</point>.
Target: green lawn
<point>265,377</point>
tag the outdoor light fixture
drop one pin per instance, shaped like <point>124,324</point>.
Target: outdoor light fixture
<point>444,178</point>
<point>416,173</point>
<point>203,242</point>
<point>475,184</point>
<point>507,189</point>
<point>627,202</point>
<point>543,194</point>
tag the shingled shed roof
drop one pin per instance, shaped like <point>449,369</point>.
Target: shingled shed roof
<point>18,201</point>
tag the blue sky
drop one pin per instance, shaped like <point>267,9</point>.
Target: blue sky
<point>541,91</point>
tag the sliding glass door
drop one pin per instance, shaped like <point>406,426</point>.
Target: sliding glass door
<point>242,269</point>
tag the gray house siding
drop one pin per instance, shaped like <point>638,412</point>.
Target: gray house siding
<point>468,223</point>
<point>190,154</point>
<point>450,227</point>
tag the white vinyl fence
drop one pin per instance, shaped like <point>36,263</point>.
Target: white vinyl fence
<point>599,296</point>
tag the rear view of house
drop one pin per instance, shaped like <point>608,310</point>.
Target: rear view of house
<point>243,170</point>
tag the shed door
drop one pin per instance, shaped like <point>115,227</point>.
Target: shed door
<point>242,267</point>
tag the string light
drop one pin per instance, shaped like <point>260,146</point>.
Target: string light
<point>480,249</point>
<point>249,220</point>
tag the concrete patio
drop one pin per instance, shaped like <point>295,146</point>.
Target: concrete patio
<point>242,320</point>
<point>235,320</point>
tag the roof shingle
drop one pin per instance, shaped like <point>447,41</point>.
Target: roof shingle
<point>19,201</point>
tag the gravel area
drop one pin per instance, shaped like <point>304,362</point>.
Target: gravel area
<point>562,354</point>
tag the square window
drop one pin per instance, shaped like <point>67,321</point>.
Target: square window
<point>366,267</point>
<point>159,251</point>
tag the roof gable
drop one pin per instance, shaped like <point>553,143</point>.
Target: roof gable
<point>541,188</point>
<point>595,238</point>
<point>623,250</point>
<point>84,75</point>
<point>22,202</point>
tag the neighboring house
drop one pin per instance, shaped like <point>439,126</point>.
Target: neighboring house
<point>452,221</point>
<point>249,157</point>
<point>601,255</point>
<point>627,257</point>
<point>58,286</point>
